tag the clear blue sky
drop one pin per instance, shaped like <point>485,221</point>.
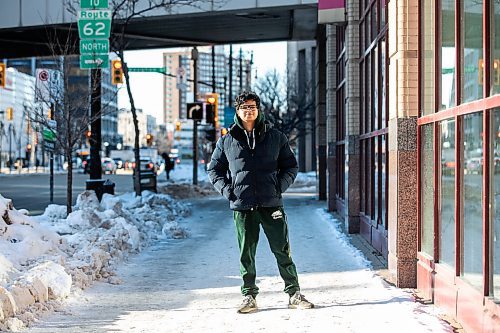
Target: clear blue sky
<point>147,87</point>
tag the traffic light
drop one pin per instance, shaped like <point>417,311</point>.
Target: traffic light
<point>149,139</point>
<point>223,131</point>
<point>178,126</point>
<point>212,100</point>
<point>3,74</point>
<point>116,71</point>
<point>10,113</point>
<point>209,113</point>
<point>28,148</point>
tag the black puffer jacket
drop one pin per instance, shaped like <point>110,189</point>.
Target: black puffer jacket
<point>251,178</point>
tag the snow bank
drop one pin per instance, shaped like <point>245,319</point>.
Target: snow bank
<point>43,258</point>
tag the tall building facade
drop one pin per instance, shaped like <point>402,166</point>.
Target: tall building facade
<point>411,129</point>
<point>18,137</point>
<point>178,86</point>
<point>79,84</point>
<point>126,127</point>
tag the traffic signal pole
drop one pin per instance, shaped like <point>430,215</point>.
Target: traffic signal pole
<point>95,127</point>
<point>51,160</point>
<point>194,57</point>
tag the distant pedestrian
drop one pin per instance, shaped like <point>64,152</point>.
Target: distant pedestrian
<point>252,166</point>
<point>169,164</point>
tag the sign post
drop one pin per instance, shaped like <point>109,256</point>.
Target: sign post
<point>94,28</point>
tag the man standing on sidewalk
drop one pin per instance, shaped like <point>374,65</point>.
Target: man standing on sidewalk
<point>251,167</point>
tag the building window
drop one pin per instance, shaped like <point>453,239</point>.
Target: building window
<point>374,115</point>
<point>447,54</point>
<point>495,212</point>
<point>495,49</point>
<point>447,202</point>
<point>472,52</point>
<point>428,34</point>
<point>427,189</point>
<point>472,247</point>
<point>340,96</point>
<point>463,148</point>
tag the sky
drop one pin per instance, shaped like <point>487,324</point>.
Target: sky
<point>147,87</point>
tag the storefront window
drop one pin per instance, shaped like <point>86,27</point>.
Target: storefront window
<point>472,61</point>
<point>427,189</point>
<point>448,58</point>
<point>495,215</point>
<point>428,43</point>
<point>382,14</point>
<point>495,47</point>
<point>447,204</point>
<point>472,247</point>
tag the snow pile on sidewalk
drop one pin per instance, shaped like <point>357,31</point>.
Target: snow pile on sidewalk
<point>42,258</point>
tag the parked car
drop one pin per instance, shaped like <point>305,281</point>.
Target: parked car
<point>108,166</point>
<point>146,164</point>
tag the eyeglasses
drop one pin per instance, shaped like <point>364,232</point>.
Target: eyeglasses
<point>248,107</point>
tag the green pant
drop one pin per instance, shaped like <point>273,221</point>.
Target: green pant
<point>275,227</point>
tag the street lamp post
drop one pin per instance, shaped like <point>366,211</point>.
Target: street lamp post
<point>10,147</point>
<point>194,57</point>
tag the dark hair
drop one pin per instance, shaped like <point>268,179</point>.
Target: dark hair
<point>247,96</point>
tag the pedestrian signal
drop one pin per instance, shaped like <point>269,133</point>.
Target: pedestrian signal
<point>116,72</point>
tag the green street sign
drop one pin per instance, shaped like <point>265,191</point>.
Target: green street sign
<point>94,4</point>
<point>48,135</point>
<point>94,61</point>
<point>94,24</point>
<point>94,46</point>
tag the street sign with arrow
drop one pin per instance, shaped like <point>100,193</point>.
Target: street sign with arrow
<point>195,111</point>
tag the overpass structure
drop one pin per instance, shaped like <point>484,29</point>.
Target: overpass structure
<point>26,25</point>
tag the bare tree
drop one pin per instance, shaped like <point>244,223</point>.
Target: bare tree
<point>123,12</point>
<point>290,113</point>
<point>66,103</point>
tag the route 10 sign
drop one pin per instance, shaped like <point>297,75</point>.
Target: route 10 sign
<point>94,4</point>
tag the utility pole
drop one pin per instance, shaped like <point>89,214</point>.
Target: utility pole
<point>95,182</point>
<point>241,70</point>
<point>10,147</point>
<point>213,70</point>
<point>51,160</point>
<point>194,57</point>
<point>230,74</point>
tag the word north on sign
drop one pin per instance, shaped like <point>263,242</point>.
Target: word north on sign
<point>94,46</point>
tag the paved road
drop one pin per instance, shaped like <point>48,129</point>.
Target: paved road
<point>31,191</point>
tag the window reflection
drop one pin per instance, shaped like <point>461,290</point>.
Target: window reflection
<point>495,46</point>
<point>495,218</point>
<point>428,40</point>
<point>447,204</point>
<point>448,58</point>
<point>427,189</point>
<point>472,247</point>
<point>472,64</point>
